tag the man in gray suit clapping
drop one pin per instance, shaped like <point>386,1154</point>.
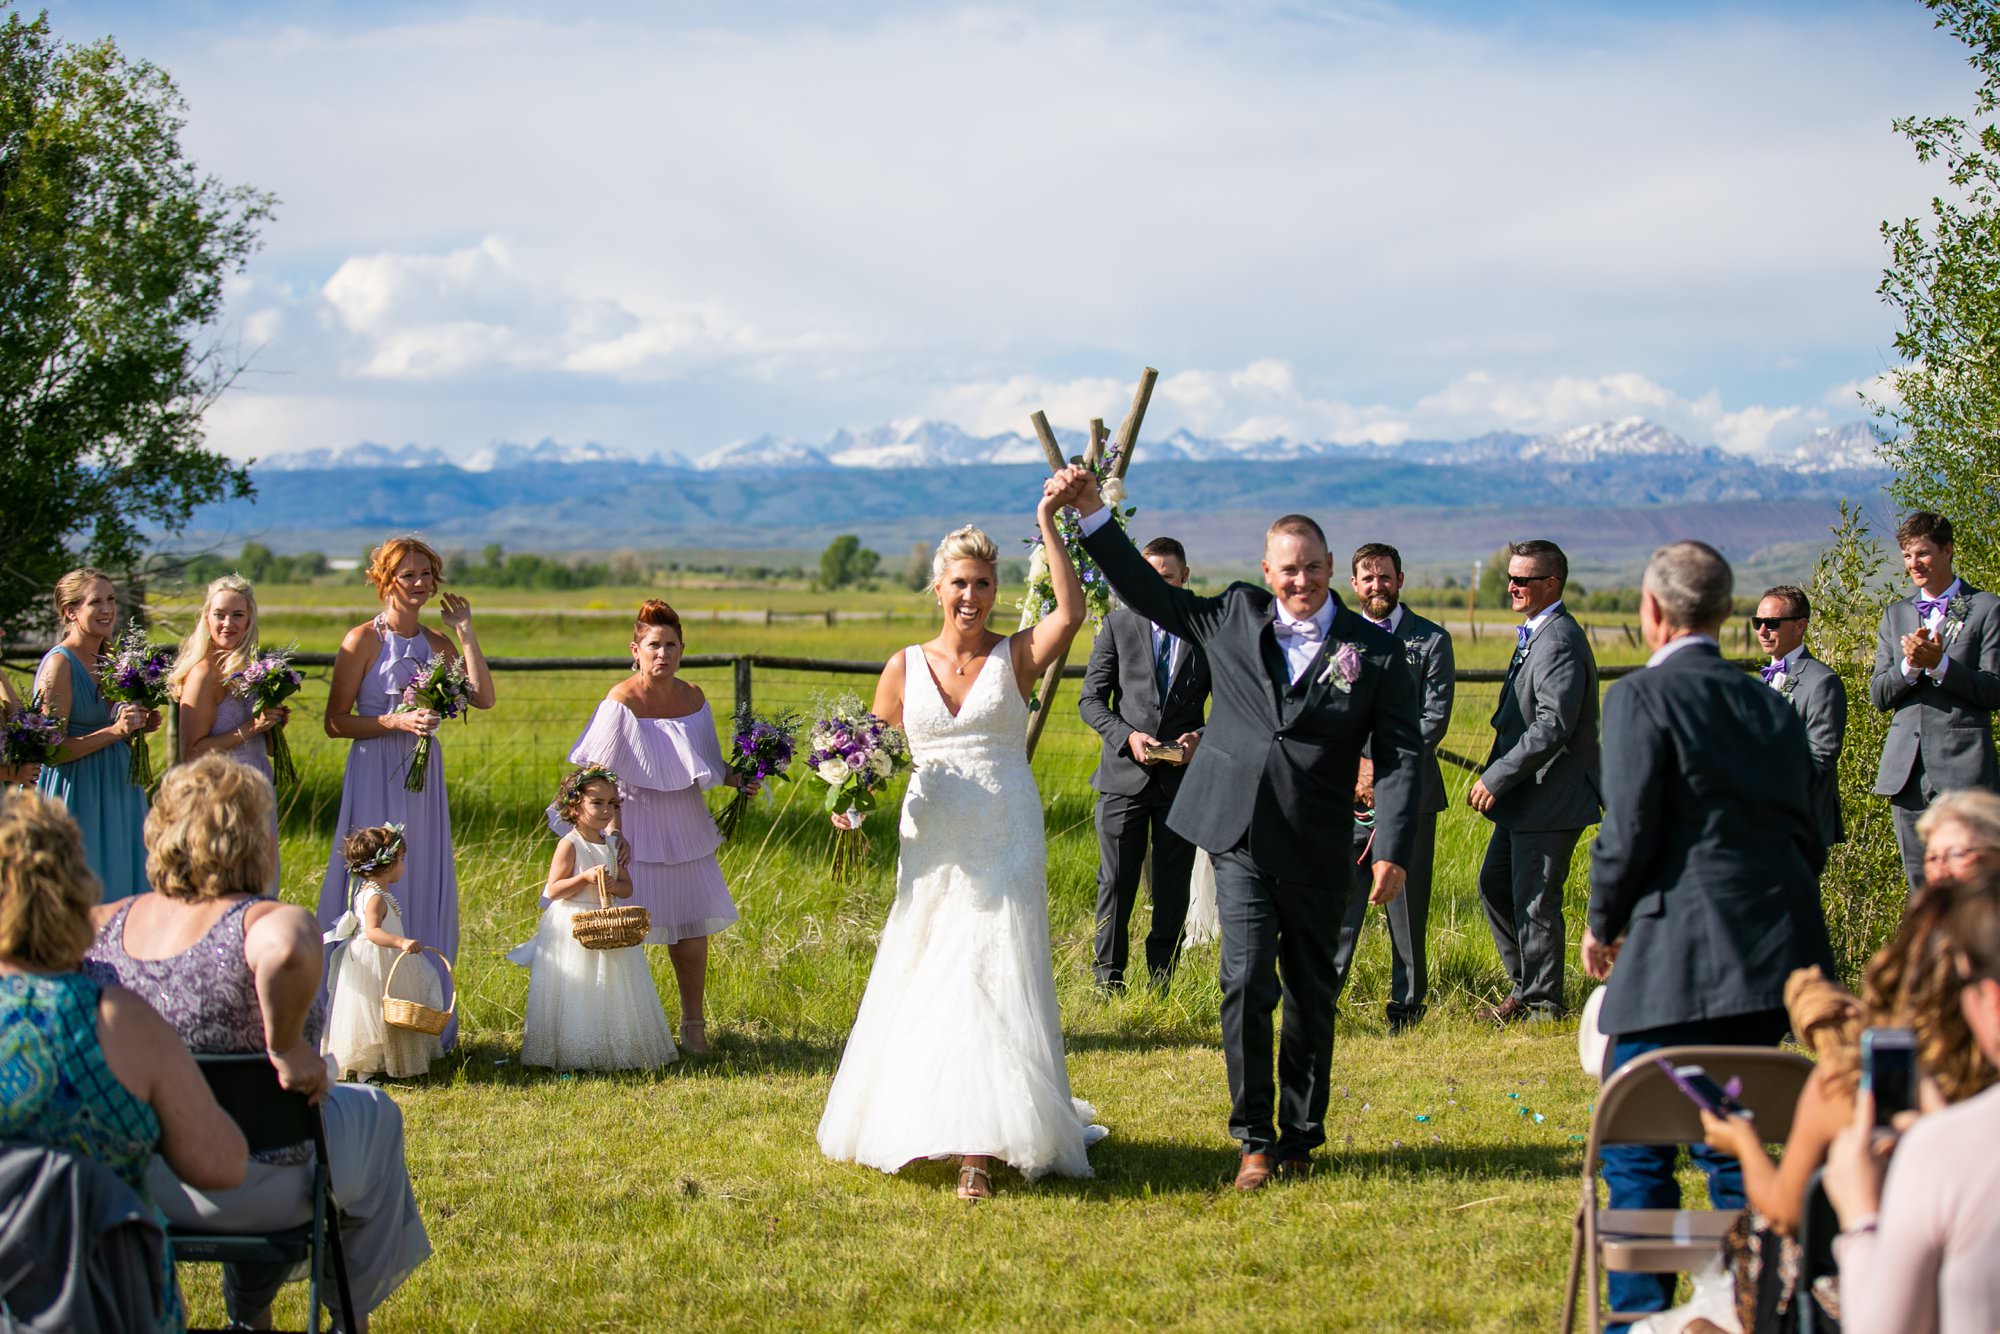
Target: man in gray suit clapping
<point>1937,669</point>
<point>1540,786</point>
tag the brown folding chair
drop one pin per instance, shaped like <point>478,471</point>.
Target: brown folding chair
<point>1640,1105</point>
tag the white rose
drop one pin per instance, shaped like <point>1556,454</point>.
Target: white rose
<point>1112,491</point>
<point>833,770</point>
<point>880,763</point>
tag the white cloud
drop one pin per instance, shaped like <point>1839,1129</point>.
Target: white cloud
<point>772,223</point>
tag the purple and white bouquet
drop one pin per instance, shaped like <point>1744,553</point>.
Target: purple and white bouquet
<point>441,687</point>
<point>855,754</point>
<point>29,737</point>
<point>761,751</point>
<point>266,683</point>
<point>135,673</point>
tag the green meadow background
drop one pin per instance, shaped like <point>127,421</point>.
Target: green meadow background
<point>696,1197</point>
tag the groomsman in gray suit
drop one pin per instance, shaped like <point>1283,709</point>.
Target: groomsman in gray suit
<point>1540,787</point>
<point>1937,670</point>
<point>1376,575</point>
<point>1143,692</point>
<point>1813,688</point>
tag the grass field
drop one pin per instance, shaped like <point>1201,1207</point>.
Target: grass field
<point>697,1198</point>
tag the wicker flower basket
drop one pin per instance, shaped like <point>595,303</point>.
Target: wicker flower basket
<point>415,1015</point>
<point>607,928</point>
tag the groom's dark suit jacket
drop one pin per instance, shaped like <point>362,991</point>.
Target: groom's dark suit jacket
<point>1708,859</point>
<point>1278,761</point>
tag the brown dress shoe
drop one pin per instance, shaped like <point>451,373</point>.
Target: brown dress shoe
<point>1253,1171</point>
<point>1505,1012</point>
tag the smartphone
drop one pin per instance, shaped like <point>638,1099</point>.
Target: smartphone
<point>1889,1070</point>
<point>1702,1091</point>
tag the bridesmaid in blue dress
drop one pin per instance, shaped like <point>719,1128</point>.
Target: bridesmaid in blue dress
<point>376,661</point>
<point>93,775</point>
<point>214,719</point>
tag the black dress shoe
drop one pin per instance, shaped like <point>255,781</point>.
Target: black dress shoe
<point>1295,1168</point>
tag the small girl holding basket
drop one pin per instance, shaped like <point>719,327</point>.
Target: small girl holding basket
<point>590,1007</point>
<point>370,945</point>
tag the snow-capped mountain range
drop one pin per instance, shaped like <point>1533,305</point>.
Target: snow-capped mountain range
<point>920,443</point>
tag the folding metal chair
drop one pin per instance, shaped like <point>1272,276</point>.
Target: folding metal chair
<point>273,1117</point>
<point>1640,1105</point>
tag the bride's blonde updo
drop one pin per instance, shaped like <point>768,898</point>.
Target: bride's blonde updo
<point>967,543</point>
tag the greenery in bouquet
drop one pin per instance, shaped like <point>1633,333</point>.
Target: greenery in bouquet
<point>29,737</point>
<point>135,673</point>
<point>1040,598</point>
<point>855,754</point>
<point>442,688</point>
<point>761,751</point>
<point>265,684</point>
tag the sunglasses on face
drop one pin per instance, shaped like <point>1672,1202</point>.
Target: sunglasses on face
<point>1772,622</point>
<point>1523,580</point>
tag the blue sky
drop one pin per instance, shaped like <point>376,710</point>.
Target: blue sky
<point>666,226</point>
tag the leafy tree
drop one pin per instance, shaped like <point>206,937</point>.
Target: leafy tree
<point>113,254</point>
<point>845,561</point>
<point>917,568</point>
<point>1944,282</point>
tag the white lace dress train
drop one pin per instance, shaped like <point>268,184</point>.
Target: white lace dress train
<point>957,1047</point>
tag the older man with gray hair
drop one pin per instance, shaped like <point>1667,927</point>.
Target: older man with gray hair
<point>1704,874</point>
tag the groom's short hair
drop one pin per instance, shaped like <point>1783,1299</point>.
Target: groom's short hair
<point>1375,551</point>
<point>1165,546</point>
<point>1295,525</point>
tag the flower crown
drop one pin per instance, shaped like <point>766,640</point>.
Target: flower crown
<point>569,793</point>
<point>384,857</point>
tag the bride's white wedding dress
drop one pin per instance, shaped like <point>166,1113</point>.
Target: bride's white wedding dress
<point>958,1045</point>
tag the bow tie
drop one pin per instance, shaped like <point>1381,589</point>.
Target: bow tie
<point>1304,631</point>
<point>1772,671</point>
<point>1927,606</point>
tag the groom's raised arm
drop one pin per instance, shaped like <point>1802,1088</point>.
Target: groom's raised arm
<point>1135,581</point>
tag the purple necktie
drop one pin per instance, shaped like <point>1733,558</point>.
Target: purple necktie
<point>1383,623</point>
<point>1926,607</point>
<point>1773,671</point>
<point>1521,634</point>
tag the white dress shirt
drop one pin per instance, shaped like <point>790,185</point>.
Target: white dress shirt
<point>1935,624</point>
<point>1301,649</point>
<point>1673,646</point>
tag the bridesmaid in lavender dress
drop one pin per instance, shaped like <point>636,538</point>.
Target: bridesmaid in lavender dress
<point>656,733</point>
<point>376,661</point>
<point>214,719</point>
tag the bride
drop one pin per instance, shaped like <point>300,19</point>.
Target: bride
<point>957,1049</point>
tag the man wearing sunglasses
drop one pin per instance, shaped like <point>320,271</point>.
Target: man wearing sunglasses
<point>1813,688</point>
<point>1937,672</point>
<point>1540,785</point>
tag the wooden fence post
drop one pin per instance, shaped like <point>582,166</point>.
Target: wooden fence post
<point>742,678</point>
<point>1128,433</point>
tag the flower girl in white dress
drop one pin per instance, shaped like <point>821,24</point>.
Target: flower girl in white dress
<point>957,1049</point>
<point>588,1009</point>
<point>371,939</point>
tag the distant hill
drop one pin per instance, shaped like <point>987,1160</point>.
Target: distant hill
<point>1608,491</point>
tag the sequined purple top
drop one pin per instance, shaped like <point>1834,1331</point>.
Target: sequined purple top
<point>207,991</point>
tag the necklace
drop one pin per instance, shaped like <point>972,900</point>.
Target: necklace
<point>959,665</point>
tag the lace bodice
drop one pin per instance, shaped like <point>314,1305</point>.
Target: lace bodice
<point>990,727</point>
<point>972,799</point>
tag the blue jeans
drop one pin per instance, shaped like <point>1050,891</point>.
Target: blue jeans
<point>1641,1176</point>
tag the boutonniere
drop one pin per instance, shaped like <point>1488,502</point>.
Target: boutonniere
<point>1343,669</point>
<point>1954,619</point>
<point>1786,684</point>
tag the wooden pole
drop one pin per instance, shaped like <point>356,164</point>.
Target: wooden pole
<point>1128,435</point>
<point>1128,430</point>
<point>1094,456</point>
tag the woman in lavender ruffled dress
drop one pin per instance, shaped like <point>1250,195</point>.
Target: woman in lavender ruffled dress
<point>655,731</point>
<point>213,718</point>
<point>377,660</point>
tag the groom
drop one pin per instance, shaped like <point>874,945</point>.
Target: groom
<point>1298,685</point>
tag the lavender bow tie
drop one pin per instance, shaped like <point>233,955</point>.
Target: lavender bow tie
<point>1305,631</point>
<point>1772,671</point>
<point>1926,607</point>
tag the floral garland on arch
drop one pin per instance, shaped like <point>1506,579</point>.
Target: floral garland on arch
<point>1040,598</point>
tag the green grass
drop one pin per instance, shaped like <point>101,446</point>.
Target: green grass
<point>696,1196</point>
